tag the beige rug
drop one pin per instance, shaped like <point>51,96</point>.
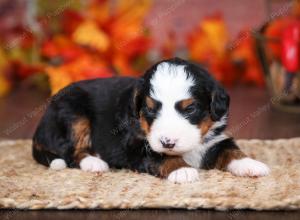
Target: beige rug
<point>26,185</point>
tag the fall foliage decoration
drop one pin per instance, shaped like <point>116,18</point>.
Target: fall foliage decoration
<point>68,41</point>
<point>108,40</point>
<point>230,62</point>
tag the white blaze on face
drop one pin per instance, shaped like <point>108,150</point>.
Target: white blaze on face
<point>170,85</point>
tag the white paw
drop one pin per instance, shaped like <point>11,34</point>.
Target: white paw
<point>248,167</point>
<point>58,164</point>
<point>184,175</point>
<point>93,164</point>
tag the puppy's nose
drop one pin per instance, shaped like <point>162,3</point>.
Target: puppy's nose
<point>167,143</point>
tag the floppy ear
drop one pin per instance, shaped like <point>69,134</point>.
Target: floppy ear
<point>219,103</point>
<point>130,101</point>
<point>137,97</point>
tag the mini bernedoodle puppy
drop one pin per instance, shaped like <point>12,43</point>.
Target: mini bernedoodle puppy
<point>169,123</point>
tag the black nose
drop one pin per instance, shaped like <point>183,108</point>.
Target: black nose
<point>166,143</point>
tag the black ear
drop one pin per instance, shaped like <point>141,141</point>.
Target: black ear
<point>219,103</point>
<point>137,97</point>
<point>130,101</point>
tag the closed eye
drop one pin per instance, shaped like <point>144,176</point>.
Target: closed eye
<point>150,110</point>
<point>152,106</point>
<point>186,106</point>
<point>190,109</point>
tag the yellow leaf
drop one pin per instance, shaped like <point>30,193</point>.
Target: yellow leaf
<point>132,10</point>
<point>58,78</point>
<point>89,34</point>
<point>217,35</point>
<point>4,86</point>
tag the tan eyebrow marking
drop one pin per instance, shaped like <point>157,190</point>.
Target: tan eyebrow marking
<point>150,102</point>
<point>186,102</point>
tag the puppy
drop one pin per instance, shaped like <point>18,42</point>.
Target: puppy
<point>169,123</point>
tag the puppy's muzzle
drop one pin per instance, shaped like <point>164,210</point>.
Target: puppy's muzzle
<point>168,143</point>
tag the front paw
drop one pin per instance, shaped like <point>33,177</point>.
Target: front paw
<point>93,164</point>
<point>184,175</point>
<point>248,167</point>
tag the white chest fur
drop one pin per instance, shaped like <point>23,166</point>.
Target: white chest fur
<point>195,157</point>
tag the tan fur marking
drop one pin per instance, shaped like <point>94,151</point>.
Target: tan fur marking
<point>170,164</point>
<point>150,102</point>
<point>144,124</point>
<point>205,125</point>
<point>227,156</point>
<point>81,135</point>
<point>185,103</point>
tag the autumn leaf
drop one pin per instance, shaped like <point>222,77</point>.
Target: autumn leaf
<point>89,34</point>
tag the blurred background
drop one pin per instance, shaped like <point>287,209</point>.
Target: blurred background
<point>251,47</point>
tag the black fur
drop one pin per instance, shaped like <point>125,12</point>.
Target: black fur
<point>212,99</point>
<point>212,155</point>
<point>113,107</point>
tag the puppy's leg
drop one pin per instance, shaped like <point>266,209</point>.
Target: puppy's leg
<point>232,159</point>
<point>93,164</point>
<point>174,169</point>
<point>178,171</point>
<point>247,167</point>
<point>83,155</point>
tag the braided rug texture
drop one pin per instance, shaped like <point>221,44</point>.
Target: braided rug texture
<point>24,184</point>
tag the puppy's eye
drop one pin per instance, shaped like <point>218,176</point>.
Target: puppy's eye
<point>191,109</point>
<point>150,110</point>
<point>151,106</point>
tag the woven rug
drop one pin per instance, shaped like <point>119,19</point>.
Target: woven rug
<point>26,185</point>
